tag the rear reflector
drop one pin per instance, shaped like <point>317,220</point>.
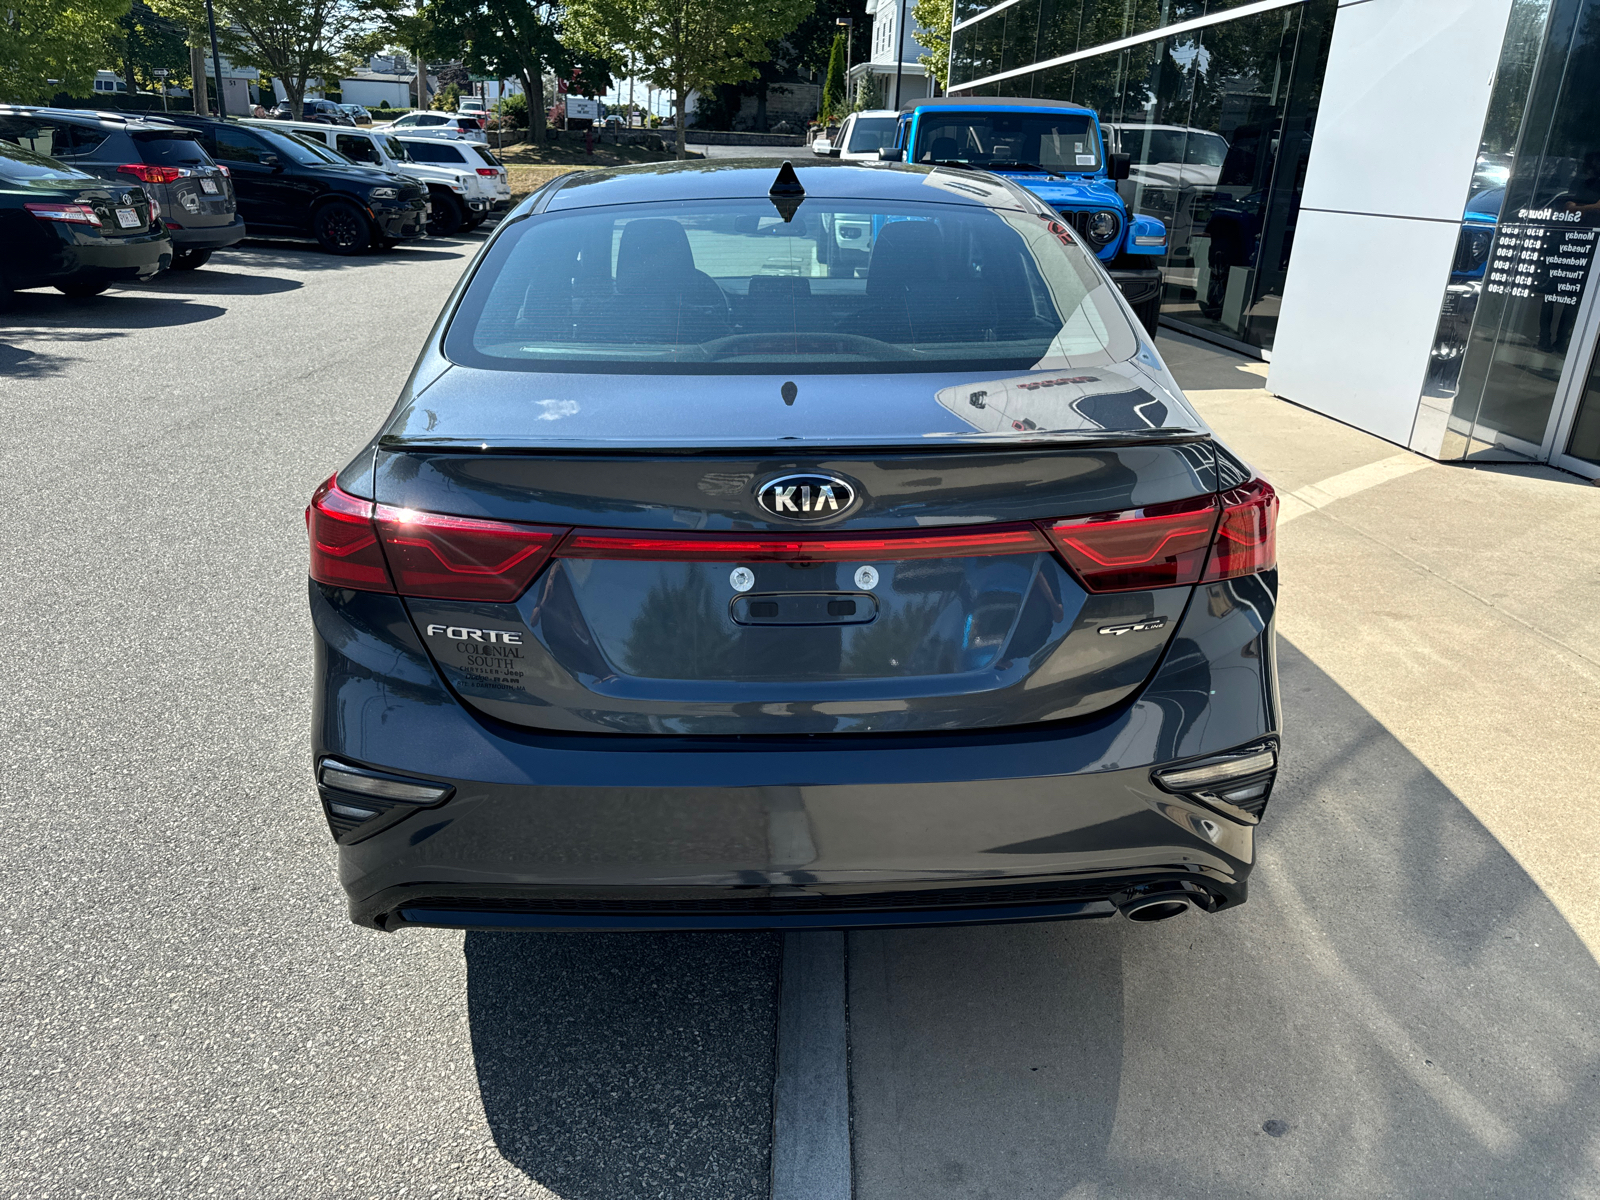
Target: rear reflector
<point>1164,545</point>
<point>462,558</point>
<point>1247,539</point>
<point>838,547</point>
<point>344,544</point>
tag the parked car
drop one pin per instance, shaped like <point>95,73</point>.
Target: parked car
<point>493,183</point>
<point>194,194</point>
<point>320,111</point>
<point>457,195</point>
<point>1171,167</point>
<point>67,229</point>
<point>472,105</point>
<point>1054,149</point>
<point>290,188</point>
<point>861,136</point>
<point>452,126</point>
<point>357,113</point>
<point>668,629</point>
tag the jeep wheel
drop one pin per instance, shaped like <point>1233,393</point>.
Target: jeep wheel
<point>340,228</point>
<point>447,216</point>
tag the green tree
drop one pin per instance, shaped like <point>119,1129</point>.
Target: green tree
<point>685,45</point>
<point>525,40</point>
<point>65,41</point>
<point>833,104</point>
<point>935,17</point>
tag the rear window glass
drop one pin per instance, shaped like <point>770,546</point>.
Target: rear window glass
<point>730,287</point>
<point>171,150</point>
<point>17,163</point>
<point>434,152</point>
<point>871,133</point>
<point>483,153</point>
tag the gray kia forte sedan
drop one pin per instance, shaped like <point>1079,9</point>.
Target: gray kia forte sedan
<point>783,548</point>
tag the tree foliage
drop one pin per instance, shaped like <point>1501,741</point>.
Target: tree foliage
<point>294,41</point>
<point>833,104</point>
<point>935,17</point>
<point>62,40</point>
<point>685,45</point>
<point>525,40</point>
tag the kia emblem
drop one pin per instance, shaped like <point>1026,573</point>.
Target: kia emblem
<point>807,497</point>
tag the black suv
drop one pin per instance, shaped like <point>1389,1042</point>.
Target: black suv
<point>192,193</point>
<point>290,187</point>
<point>324,112</point>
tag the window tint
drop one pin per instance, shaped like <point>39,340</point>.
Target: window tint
<point>434,152</point>
<point>171,150</point>
<point>18,162</point>
<point>729,287</point>
<point>870,133</point>
<point>431,120</point>
<point>235,145</point>
<point>483,153</point>
<point>357,148</point>
<point>1061,142</point>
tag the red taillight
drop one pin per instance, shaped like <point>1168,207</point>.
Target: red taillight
<point>223,168</point>
<point>1164,545</point>
<point>491,172</point>
<point>462,558</point>
<point>1247,538</point>
<point>838,547</point>
<point>78,214</point>
<point>344,544</point>
<point>146,173</point>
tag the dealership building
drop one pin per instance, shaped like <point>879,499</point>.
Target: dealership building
<point>1394,202</point>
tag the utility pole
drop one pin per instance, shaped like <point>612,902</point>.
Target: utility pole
<point>899,51</point>
<point>849,24</point>
<point>216,60</point>
<point>161,73</point>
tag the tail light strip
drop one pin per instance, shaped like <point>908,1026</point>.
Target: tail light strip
<point>375,547</point>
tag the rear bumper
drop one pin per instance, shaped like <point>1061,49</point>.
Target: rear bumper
<point>576,831</point>
<point>208,237</point>
<point>78,257</point>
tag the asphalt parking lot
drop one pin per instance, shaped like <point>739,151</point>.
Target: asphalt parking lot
<point>1405,1007</point>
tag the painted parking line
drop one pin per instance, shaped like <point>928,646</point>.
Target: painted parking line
<point>1338,487</point>
<point>811,1090</point>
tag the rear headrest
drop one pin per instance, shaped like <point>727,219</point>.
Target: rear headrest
<point>654,256</point>
<point>943,149</point>
<point>907,255</point>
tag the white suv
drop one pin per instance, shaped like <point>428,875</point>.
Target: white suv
<point>457,196</point>
<point>464,127</point>
<point>464,156</point>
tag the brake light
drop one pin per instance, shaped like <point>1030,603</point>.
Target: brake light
<point>840,547</point>
<point>344,543</point>
<point>1162,545</point>
<point>462,558</point>
<point>1247,538</point>
<point>77,214</point>
<point>489,171</point>
<point>223,168</point>
<point>146,173</point>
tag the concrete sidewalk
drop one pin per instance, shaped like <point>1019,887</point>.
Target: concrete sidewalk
<point>1406,1005</point>
<point>1457,604</point>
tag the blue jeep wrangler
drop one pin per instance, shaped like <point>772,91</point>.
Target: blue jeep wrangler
<point>1055,150</point>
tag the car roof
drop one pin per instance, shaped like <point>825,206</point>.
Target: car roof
<point>87,116</point>
<point>314,126</point>
<point>1013,102</point>
<point>875,112</point>
<point>752,178</point>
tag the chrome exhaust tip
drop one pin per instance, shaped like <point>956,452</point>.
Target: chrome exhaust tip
<point>1157,906</point>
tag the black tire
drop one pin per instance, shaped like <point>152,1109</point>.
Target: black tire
<point>81,291</point>
<point>190,260</point>
<point>341,228</point>
<point>447,216</point>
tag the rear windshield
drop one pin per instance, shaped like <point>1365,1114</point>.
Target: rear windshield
<point>17,163</point>
<point>730,287</point>
<point>483,153</point>
<point>1054,141</point>
<point>434,152</point>
<point>172,149</point>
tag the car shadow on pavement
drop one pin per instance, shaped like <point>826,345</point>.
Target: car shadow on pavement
<point>208,281</point>
<point>53,319</point>
<point>628,1066</point>
<point>1398,1010</point>
<point>308,256</point>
